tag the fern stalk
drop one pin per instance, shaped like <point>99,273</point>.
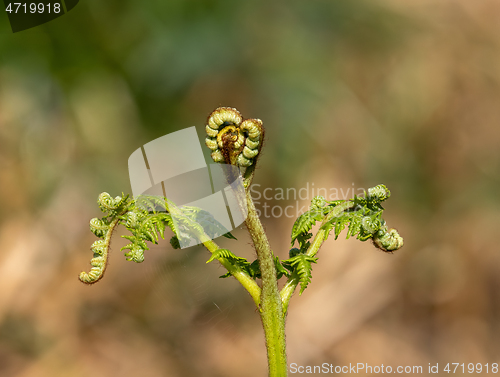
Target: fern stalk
<point>321,235</point>
<point>271,310</point>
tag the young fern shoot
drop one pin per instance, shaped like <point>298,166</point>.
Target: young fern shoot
<point>238,142</point>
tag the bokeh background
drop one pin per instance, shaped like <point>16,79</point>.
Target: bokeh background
<point>352,94</point>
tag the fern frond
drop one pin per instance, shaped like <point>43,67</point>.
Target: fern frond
<point>280,270</point>
<point>96,272</point>
<point>224,253</point>
<point>152,203</point>
<point>303,240</point>
<point>136,253</point>
<point>112,206</point>
<point>388,239</point>
<point>337,224</point>
<point>301,264</point>
<point>253,270</point>
<point>378,193</point>
<point>318,202</point>
<point>99,247</point>
<point>354,225</point>
<point>364,220</point>
<point>139,216</point>
<point>99,227</point>
<point>145,227</point>
<point>306,221</point>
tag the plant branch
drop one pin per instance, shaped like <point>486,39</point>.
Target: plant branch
<point>289,288</point>
<point>245,280</point>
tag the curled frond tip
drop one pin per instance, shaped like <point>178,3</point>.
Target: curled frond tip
<point>233,140</point>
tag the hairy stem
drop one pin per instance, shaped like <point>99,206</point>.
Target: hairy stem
<point>100,262</point>
<point>289,288</point>
<point>287,291</point>
<point>271,310</point>
<point>248,177</point>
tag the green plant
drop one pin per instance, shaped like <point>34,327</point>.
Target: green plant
<point>238,142</point>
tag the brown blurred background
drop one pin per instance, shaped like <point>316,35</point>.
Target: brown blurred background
<point>404,93</point>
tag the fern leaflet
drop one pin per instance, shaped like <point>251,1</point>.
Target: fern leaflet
<point>306,221</point>
<point>301,265</point>
<point>224,253</point>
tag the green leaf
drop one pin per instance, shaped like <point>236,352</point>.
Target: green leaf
<point>253,269</point>
<point>224,253</point>
<point>355,225</point>
<point>136,253</point>
<point>99,227</point>
<point>306,221</point>
<point>151,203</point>
<point>363,221</point>
<point>303,240</point>
<point>301,264</point>
<point>280,270</point>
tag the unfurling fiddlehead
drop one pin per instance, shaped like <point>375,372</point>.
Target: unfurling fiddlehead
<point>139,216</point>
<point>232,140</point>
<point>387,239</point>
<point>363,218</point>
<point>103,228</point>
<point>146,218</point>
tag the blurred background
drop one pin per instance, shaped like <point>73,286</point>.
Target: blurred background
<point>352,94</point>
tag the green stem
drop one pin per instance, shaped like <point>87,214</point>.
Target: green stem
<point>287,291</point>
<point>271,310</point>
<point>248,176</point>
<point>246,281</point>
<point>97,271</point>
